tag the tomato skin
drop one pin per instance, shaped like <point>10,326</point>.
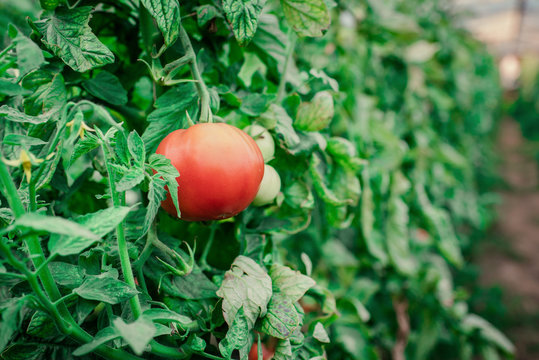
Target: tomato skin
<point>263,139</point>
<point>220,168</point>
<point>269,187</point>
<point>267,354</point>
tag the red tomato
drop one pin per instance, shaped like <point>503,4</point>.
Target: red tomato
<point>220,168</point>
<point>266,353</point>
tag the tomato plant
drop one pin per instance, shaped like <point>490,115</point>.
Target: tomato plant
<point>220,168</point>
<point>374,119</point>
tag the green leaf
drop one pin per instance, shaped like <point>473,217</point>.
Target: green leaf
<point>317,114</point>
<point>137,334</point>
<point>243,16</point>
<point>107,87</point>
<point>156,194</point>
<point>320,185</point>
<point>54,225</point>
<point>299,196</point>
<point>167,16</point>
<point>22,140</point>
<point>65,274</point>
<point>291,284</point>
<point>307,17</point>
<point>248,286</point>
<point>282,318</point>
<point>283,125</point>
<point>206,13</point>
<point>10,88</point>
<point>398,244</point>
<point>67,34</point>
<point>24,351</point>
<point>121,148</point>
<point>84,146</point>
<point>166,316</point>
<point>344,152</point>
<point>136,148</point>
<point>106,289</point>
<point>29,55</point>
<point>48,98</point>
<point>373,239</point>
<point>194,286</point>
<point>270,40</point>
<point>100,223</point>
<point>320,333</point>
<point>237,336</point>
<point>440,222</point>
<point>283,351</point>
<point>474,322</point>
<point>170,114</point>
<point>130,179</point>
<point>256,104</point>
<point>12,114</point>
<point>169,173</point>
<point>251,65</point>
<point>103,336</point>
<point>11,319</point>
<point>41,325</point>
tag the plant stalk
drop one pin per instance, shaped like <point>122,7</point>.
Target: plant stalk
<point>205,110</point>
<point>122,242</point>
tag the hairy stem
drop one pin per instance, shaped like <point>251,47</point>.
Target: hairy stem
<point>32,195</point>
<point>122,242</point>
<point>205,111</point>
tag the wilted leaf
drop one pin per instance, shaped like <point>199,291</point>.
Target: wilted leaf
<point>248,286</point>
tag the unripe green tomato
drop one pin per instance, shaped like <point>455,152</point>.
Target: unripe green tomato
<point>269,187</point>
<point>263,139</point>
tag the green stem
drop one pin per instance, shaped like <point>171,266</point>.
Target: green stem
<point>289,52</point>
<point>10,191</point>
<point>205,110</point>
<point>166,351</point>
<point>45,264</point>
<point>202,261</point>
<point>67,326</point>
<point>122,242</point>
<point>32,195</point>
<point>32,242</point>
<point>162,246</point>
<point>4,52</point>
<point>64,298</point>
